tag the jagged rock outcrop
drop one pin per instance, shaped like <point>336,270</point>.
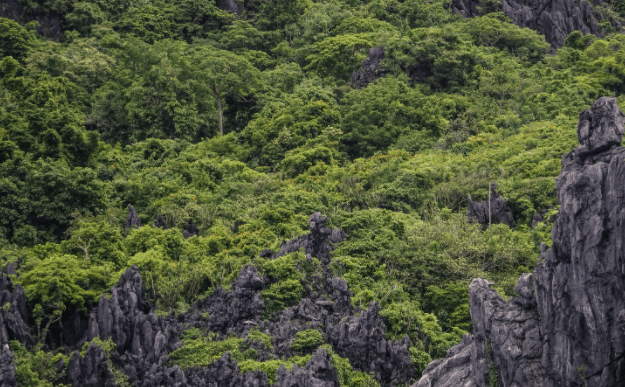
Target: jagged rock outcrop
<point>143,340</point>
<point>580,280</point>
<point>13,313</point>
<point>318,243</point>
<point>49,23</point>
<point>566,327</point>
<point>554,19</point>
<point>160,222</point>
<point>230,312</point>
<point>224,372</point>
<point>231,6</point>
<point>191,230</point>
<point>133,220</point>
<point>361,339</point>
<point>7,368</point>
<point>319,372</point>
<point>371,68</point>
<point>497,213</point>
<point>92,370</point>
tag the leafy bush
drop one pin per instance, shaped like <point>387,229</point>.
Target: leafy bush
<point>307,340</point>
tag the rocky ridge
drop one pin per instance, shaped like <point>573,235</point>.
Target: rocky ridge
<point>554,19</point>
<point>142,341</point>
<point>566,327</point>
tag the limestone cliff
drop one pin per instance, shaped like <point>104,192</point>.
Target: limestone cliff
<point>566,327</point>
<point>554,19</point>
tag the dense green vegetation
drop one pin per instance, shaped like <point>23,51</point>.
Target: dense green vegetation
<point>247,124</point>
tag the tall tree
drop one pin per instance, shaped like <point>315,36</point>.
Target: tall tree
<point>224,73</point>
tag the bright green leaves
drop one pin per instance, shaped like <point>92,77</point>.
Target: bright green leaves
<point>201,349</point>
<point>496,30</point>
<point>224,74</point>
<point>169,90</point>
<point>98,243</point>
<point>426,336</point>
<point>339,56</point>
<point>287,275</point>
<point>36,368</point>
<point>290,120</point>
<point>307,340</point>
<point>450,304</point>
<point>58,284</point>
<point>388,113</point>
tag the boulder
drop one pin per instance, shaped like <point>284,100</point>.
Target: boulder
<point>497,213</point>
<point>371,68</point>
<point>318,243</point>
<point>133,220</point>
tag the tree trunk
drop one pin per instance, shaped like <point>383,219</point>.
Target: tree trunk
<point>489,202</point>
<point>220,116</point>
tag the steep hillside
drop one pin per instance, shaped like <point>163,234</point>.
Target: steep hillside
<point>160,161</point>
<point>566,325</point>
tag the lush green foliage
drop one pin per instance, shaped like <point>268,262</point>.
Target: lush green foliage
<point>307,340</point>
<point>245,124</point>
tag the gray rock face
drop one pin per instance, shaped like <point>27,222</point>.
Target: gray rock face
<point>143,340</point>
<point>13,313</point>
<point>554,19</point>
<point>140,337</point>
<point>133,220</point>
<point>566,327</point>
<point>49,24</point>
<point>361,339</point>
<point>499,212</point>
<point>224,372</point>
<point>7,368</point>
<point>228,310</point>
<point>318,243</point>
<point>371,69</point>
<point>319,372</point>
<point>92,370</point>
<point>600,127</point>
<point>231,6</point>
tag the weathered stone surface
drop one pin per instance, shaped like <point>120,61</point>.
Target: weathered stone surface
<point>160,222</point>
<point>133,220</point>
<point>318,243</point>
<point>49,23</point>
<point>319,372</point>
<point>361,339</point>
<point>566,326</point>
<point>143,340</point>
<point>227,310</point>
<point>92,370</point>
<point>13,313</point>
<point>453,371</point>
<point>191,230</point>
<point>231,6</point>
<point>371,68</point>
<point>599,127</point>
<point>7,368</point>
<point>499,212</point>
<point>580,279</point>
<point>554,19</point>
